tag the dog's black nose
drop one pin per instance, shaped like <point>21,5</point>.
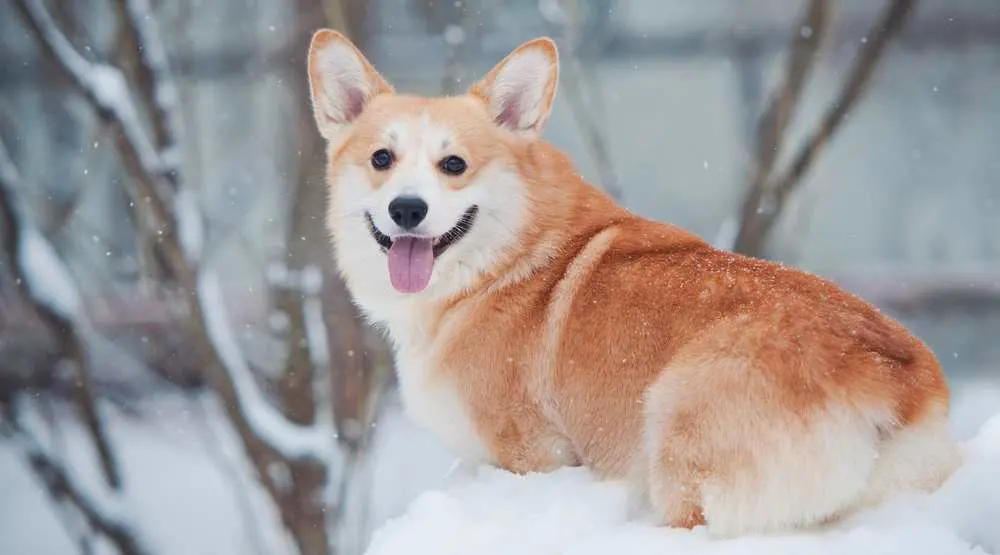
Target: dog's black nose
<point>407,212</point>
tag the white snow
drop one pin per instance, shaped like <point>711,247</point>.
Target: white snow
<point>155,53</point>
<point>47,278</point>
<point>569,512</point>
<point>192,491</point>
<point>190,488</point>
<point>293,441</point>
<point>973,403</point>
<point>312,316</point>
<point>97,496</point>
<point>190,228</point>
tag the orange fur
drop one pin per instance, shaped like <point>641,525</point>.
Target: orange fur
<point>597,337</point>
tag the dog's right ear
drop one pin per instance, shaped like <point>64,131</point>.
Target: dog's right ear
<point>341,82</point>
<point>521,88</point>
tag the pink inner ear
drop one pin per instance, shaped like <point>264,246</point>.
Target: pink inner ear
<point>509,114</point>
<point>353,103</point>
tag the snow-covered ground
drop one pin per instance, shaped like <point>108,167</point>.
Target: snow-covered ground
<point>567,512</point>
<point>190,495</point>
<point>490,512</point>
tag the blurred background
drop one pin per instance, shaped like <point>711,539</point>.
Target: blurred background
<point>181,371</point>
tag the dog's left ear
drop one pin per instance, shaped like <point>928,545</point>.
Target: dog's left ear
<point>341,82</point>
<point>520,89</point>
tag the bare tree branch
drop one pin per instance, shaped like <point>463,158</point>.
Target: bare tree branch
<point>857,83</point>
<point>565,17</point>
<point>768,194</point>
<point>807,37</point>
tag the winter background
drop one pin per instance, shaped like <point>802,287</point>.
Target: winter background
<point>182,373</point>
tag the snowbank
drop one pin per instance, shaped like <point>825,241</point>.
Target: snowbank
<point>569,513</point>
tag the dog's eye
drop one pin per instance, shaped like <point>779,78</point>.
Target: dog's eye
<point>453,165</point>
<point>381,159</point>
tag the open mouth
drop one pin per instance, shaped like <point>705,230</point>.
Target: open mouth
<point>411,258</point>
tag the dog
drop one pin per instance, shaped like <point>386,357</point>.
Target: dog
<point>537,324</point>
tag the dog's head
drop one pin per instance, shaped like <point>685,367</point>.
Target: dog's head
<point>426,194</point>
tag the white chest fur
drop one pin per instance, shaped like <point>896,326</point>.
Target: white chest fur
<point>432,400</point>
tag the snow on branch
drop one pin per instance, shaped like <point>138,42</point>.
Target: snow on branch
<point>103,84</point>
<point>107,89</point>
<point>43,275</point>
<point>292,441</point>
<point>190,228</point>
<point>51,291</point>
<point>102,512</point>
<point>47,279</point>
<point>181,241</point>
<point>165,99</point>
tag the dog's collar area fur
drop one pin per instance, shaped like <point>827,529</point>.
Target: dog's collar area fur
<point>441,243</point>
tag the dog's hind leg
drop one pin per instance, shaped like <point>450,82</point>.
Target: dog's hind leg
<point>724,448</point>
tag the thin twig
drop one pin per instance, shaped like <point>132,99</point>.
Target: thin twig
<point>758,219</point>
<point>807,37</point>
<point>565,19</point>
<point>857,83</point>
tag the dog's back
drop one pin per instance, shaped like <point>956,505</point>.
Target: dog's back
<point>739,392</point>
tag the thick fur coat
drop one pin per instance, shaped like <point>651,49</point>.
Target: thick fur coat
<point>537,324</point>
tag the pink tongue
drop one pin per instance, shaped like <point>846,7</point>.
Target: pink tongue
<point>411,260</point>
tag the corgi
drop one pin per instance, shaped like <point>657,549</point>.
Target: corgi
<point>537,324</point>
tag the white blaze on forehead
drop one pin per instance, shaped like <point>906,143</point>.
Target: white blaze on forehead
<point>416,137</point>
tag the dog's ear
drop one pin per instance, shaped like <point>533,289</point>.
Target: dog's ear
<point>520,89</point>
<point>341,82</point>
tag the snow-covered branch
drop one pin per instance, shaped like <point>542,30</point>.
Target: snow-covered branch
<point>34,261</point>
<point>102,512</point>
<point>107,89</point>
<point>317,336</point>
<point>164,98</point>
<point>298,439</point>
<point>104,85</point>
<point>50,289</point>
<point>292,441</point>
<point>109,93</point>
